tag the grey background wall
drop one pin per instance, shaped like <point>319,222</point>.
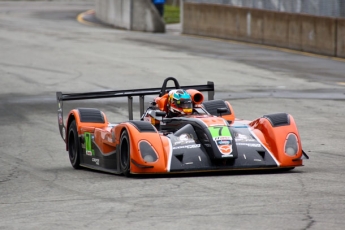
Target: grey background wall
<point>330,8</point>
<point>303,32</point>
<point>140,15</point>
<point>316,34</point>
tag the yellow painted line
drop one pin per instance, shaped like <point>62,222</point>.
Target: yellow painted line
<point>80,18</point>
<point>269,47</point>
<point>341,83</point>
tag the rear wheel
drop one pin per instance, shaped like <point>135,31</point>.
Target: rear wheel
<point>125,153</point>
<point>74,148</point>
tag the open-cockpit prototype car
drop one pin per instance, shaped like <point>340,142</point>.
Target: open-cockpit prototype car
<point>208,138</point>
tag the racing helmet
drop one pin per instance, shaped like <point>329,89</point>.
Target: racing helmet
<point>179,102</point>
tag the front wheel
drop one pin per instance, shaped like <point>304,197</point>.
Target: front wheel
<point>125,153</point>
<point>74,148</point>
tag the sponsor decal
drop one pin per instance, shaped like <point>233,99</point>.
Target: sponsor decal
<point>224,142</point>
<point>60,119</point>
<point>95,160</point>
<point>230,155</point>
<point>222,136</point>
<point>187,146</point>
<point>184,142</point>
<point>225,149</point>
<point>254,145</point>
<point>243,137</point>
<point>88,144</point>
<point>148,119</point>
<point>184,139</point>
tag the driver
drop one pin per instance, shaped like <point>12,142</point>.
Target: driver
<point>179,103</point>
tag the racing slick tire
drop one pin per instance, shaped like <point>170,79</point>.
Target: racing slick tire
<point>74,147</point>
<point>286,169</point>
<point>125,154</point>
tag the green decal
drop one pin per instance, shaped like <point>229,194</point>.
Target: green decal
<point>219,131</point>
<point>88,146</point>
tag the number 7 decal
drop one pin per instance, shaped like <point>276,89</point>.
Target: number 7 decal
<point>219,131</point>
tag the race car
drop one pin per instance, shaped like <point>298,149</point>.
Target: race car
<point>209,138</point>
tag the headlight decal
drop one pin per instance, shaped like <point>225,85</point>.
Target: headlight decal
<point>291,145</point>
<point>147,152</point>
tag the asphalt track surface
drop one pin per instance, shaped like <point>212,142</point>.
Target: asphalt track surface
<point>44,49</point>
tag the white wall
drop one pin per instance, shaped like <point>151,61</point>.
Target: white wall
<point>139,15</point>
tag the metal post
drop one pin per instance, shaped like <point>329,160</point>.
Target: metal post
<point>341,8</point>
<point>141,103</point>
<point>182,14</point>
<point>130,14</point>
<point>211,93</point>
<point>130,108</point>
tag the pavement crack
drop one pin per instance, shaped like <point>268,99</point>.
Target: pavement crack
<point>309,218</point>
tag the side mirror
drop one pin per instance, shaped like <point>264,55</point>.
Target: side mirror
<point>222,110</point>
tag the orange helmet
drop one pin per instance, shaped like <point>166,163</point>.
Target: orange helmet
<point>180,102</point>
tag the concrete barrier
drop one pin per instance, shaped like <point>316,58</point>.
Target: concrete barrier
<point>114,12</point>
<point>275,29</point>
<point>321,35</point>
<point>222,22</point>
<point>130,14</point>
<point>341,38</point>
<point>255,27</point>
<point>146,17</point>
<point>318,34</point>
<point>295,32</point>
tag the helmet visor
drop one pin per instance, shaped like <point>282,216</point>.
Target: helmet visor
<point>184,104</point>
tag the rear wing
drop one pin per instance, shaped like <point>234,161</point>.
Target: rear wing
<point>141,93</point>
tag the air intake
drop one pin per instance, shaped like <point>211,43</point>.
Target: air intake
<point>91,115</point>
<point>278,119</point>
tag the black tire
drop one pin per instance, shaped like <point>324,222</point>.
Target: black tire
<point>74,148</point>
<point>287,169</point>
<point>125,155</point>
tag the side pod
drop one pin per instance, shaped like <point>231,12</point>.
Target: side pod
<point>277,132</point>
<point>87,119</point>
<point>144,140</point>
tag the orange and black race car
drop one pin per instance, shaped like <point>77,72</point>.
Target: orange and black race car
<point>211,138</point>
